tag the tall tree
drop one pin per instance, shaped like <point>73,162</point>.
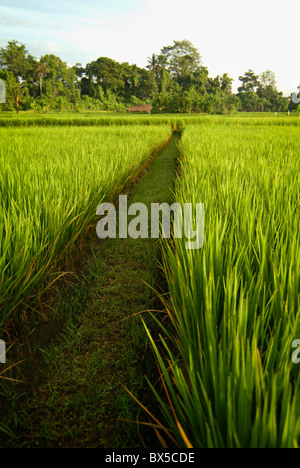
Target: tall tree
<point>148,86</point>
<point>60,80</point>
<point>226,83</point>
<point>16,59</point>
<point>153,64</point>
<point>109,74</point>
<point>250,82</point>
<point>183,58</point>
<point>41,72</point>
<point>15,91</point>
<point>268,78</point>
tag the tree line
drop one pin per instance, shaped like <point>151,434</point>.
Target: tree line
<point>173,81</point>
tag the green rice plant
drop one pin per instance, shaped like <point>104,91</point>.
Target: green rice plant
<point>226,357</point>
<point>175,120</point>
<point>51,182</point>
<point>29,120</point>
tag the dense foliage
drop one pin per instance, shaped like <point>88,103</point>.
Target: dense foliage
<point>173,81</point>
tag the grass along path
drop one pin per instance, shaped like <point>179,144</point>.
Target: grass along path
<point>81,401</point>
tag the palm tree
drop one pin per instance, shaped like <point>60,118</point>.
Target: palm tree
<point>41,72</point>
<point>134,76</point>
<point>153,62</point>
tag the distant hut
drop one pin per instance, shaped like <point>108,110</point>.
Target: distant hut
<point>143,108</point>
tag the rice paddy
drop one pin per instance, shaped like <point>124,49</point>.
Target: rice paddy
<point>235,305</point>
<point>51,182</point>
<point>232,308</point>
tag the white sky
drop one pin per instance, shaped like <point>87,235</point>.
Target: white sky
<point>232,35</point>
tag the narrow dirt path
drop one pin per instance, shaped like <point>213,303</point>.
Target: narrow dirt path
<point>81,401</point>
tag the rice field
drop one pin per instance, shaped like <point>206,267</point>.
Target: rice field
<point>234,307</point>
<point>178,121</point>
<point>51,182</point>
